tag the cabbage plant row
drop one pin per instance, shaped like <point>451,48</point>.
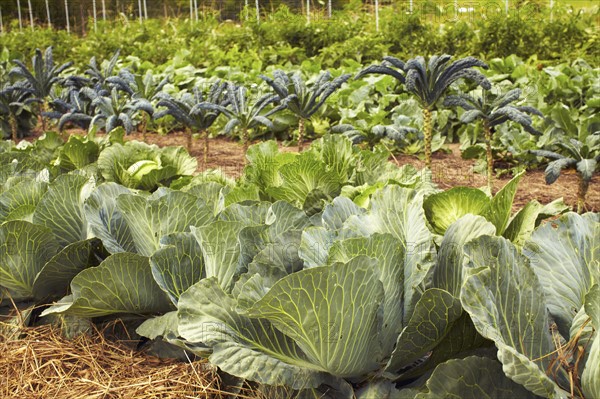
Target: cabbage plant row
<point>330,273</point>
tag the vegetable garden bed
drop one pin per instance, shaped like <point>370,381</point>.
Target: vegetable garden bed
<point>449,170</point>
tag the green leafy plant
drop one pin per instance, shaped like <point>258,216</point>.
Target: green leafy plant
<point>243,113</point>
<point>583,157</point>
<point>114,110</point>
<point>77,109</point>
<point>303,100</point>
<point>15,110</point>
<point>429,82</point>
<point>374,134</point>
<point>493,111</point>
<point>142,90</point>
<point>142,166</point>
<point>192,110</point>
<point>99,73</point>
<point>42,77</point>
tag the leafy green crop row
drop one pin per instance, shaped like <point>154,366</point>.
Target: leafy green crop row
<point>284,37</point>
<point>367,109</point>
<point>327,273</point>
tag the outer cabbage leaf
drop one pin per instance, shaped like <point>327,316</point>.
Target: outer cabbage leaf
<point>390,255</point>
<point>20,200</point>
<point>472,378</point>
<point>315,245</point>
<point>504,298</point>
<point>590,379</point>
<point>61,209</point>
<point>164,212</point>
<point>565,256</point>
<point>399,212</point>
<point>220,250</point>
<point>332,313</point>
<point>123,283</point>
<point>500,206</point>
<point>241,346</point>
<point>106,220</point>
<point>433,316</point>
<point>177,264</point>
<point>527,219</point>
<point>56,275</point>
<point>448,273</point>
<point>24,250</point>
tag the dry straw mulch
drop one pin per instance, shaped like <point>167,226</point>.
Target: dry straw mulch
<point>41,363</point>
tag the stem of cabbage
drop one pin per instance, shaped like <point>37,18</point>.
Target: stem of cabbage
<point>488,154</point>
<point>581,193</point>
<point>206,144</point>
<point>189,140</point>
<point>427,133</point>
<point>12,120</point>
<point>300,134</point>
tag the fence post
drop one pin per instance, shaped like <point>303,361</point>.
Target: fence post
<point>94,14</point>
<point>48,15</point>
<point>67,16</point>
<point>19,13</point>
<point>329,8</point>
<point>30,13</point>
<point>377,15</point>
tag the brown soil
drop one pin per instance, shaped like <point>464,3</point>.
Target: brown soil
<point>449,170</point>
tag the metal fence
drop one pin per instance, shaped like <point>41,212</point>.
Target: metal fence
<point>77,14</point>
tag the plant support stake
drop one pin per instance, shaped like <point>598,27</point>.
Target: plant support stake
<point>329,8</point>
<point>94,13</point>
<point>103,10</point>
<point>308,11</point>
<point>1,24</point>
<point>257,12</point>
<point>30,13</point>
<point>377,15</point>
<point>19,14</point>
<point>48,14</point>
<point>67,16</point>
<point>140,10</point>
